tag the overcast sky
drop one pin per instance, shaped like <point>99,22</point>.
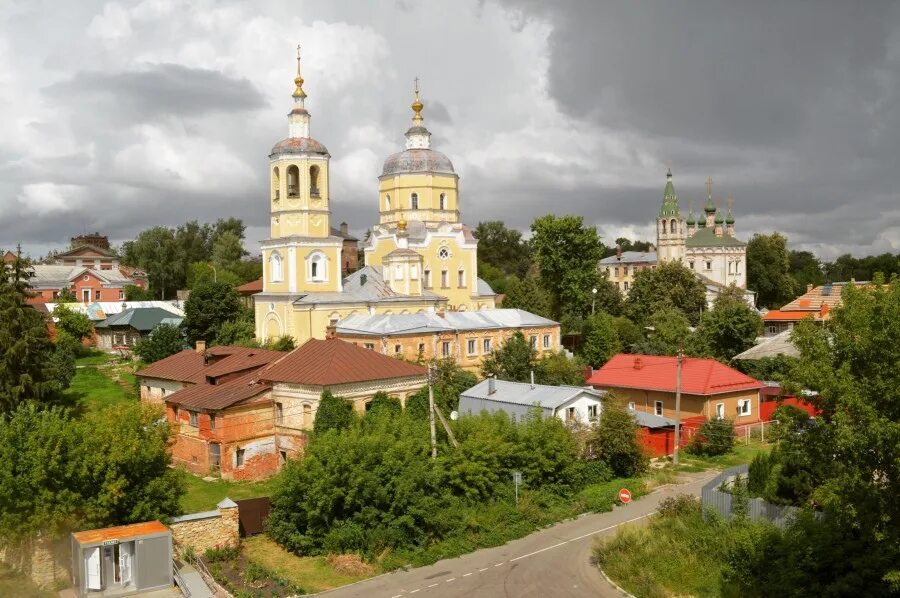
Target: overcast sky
<point>117,116</point>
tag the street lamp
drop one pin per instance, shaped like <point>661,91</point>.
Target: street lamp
<point>593,300</point>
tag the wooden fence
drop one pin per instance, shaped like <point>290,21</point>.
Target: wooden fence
<point>712,497</point>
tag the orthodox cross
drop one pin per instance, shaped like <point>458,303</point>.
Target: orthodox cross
<point>709,183</point>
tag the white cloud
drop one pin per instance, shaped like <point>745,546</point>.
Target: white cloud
<point>46,198</point>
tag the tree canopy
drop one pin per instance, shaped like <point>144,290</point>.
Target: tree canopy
<point>502,247</point>
<point>730,327</point>
<point>513,361</point>
<point>768,270</point>
<point>208,307</point>
<point>163,341</point>
<point>670,284</point>
<point>600,340</point>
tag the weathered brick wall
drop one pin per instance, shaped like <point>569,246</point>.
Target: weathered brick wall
<point>218,528</point>
<point>45,563</point>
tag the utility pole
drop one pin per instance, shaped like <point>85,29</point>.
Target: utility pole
<point>679,359</point>
<point>431,410</point>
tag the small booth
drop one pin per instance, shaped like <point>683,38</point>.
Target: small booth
<point>123,560</point>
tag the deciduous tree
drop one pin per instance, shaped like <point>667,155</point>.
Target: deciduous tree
<point>528,294</point>
<point>730,327</point>
<point>669,285</point>
<point>599,339</point>
<point>209,306</point>
<point>333,413</point>
<point>502,247</point>
<point>163,341</point>
<point>616,441</point>
<point>513,361</point>
<point>768,270</point>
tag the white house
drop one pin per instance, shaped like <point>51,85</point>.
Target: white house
<point>569,403</point>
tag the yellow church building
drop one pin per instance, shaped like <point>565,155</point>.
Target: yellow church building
<point>419,258</point>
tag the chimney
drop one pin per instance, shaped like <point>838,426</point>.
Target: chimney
<point>201,347</point>
<point>492,385</point>
<point>638,363</point>
<point>618,252</point>
<point>532,379</point>
<point>809,287</point>
<point>344,228</point>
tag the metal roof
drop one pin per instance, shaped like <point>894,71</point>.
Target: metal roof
<point>143,319</point>
<point>651,420</point>
<point>772,346</point>
<point>522,393</point>
<point>488,319</point>
<point>699,376</point>
<point>706,237</point>
<point>630,257</point>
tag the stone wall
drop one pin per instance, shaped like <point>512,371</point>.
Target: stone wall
<point>202,531</point>
<point>46,563</point>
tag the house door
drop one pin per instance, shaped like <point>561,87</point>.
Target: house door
<point>85,295</point>
<point>126,562</point>
<point>215,454</point>
<point>92,568</point>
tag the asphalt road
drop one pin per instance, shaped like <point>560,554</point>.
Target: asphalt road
<point>551,562</point>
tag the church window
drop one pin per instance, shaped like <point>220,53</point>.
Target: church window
<point>317,269</point>
<point>427,280</point>
<point>461,279</point>
<point>691,264</point>
<point>293,181</point>
<point>445,279</point>
<point>672,226</point>
<point>387,201</point>
<point>276,184</point>
<point>275,269</point>
<point>443,201</point>
<point>443,253</point>
<point>314,180</point>
<point>708,265</point>
<point>730,267</point>
<point>414,201</point>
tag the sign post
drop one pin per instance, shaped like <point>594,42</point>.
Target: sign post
<point>517,480</point>
<point>625,496</point>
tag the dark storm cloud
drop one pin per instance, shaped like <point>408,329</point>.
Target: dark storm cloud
<point>161,90</point>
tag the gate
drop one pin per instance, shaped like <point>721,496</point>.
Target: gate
<point>252,513</point>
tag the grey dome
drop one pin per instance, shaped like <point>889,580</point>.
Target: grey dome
<point>417,160</point>
<point>299,145</point>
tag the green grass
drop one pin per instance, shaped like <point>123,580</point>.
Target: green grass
<point>204,496</point>
<point>680,555</point>
<point>742,453</point>
<point>15,585</point>
<point>93,388</point>
<point>312,573</point>
<point>94,358</point>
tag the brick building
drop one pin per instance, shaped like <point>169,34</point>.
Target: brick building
<point>468,337</point>
<point>708,388</point>
<point>349,249</point>
<point>243,412</point>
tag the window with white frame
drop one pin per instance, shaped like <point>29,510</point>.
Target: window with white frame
<point>486,345</point>
<point>546,341</point>
<point>427,279</point>
<point>445,279</point>
<point>743,407</point>
<point>121,295</point>
<point>658,407</point>
<point>631,405</point>
<point>708,265</point>
<point>192,418</point>
<point>592,411</point>
<point>276,272</point>
<point>625,285</point>
<point>720,410</point>
<point>445,349</point>
<point>471,346</point>
<point>317,268</point>
<point>533,340</point>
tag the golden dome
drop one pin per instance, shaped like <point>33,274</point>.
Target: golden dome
<point>401,224</point>
<point>417,104</point>
<point>298,80</point>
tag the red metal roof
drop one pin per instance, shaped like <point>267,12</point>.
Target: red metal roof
<point>241,359</point>
<point>655,372</point>
<point>254,286</point>
<point>332,362</point>
<point>219,396</point>
<point>775,315</point>
<point>121,532</point>
<point>186,366</point>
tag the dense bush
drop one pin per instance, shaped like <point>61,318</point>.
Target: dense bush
<point>616,440</point>
<point>715,437</point>
<point>334,413</point>
<point>382,402</point>
<point>680,504</point>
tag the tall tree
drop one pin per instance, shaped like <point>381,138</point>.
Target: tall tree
<point>670,284</point>
<point>514,361</point>
<point>600,340</point>
<point>25,347</point>
<point>74,323</point>
<point>528,294</point>
<point>667,331</point>
<point>502,247</point>
<point>163,341</point>
<point>227,250</point>
<point>567,253</point>
<point>208,307</point>
<point>157,253</point>
<point>617,442</point>
<point>730,327</point>
<point>805,269</point>
<point>768,270</point>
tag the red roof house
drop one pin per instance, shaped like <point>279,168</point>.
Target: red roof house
<point>708,388</point>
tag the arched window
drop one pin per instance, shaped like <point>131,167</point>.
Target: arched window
<point>275,269</point>
<point>293,181</point>
<point>672,226</point>
<point>387,201</point>
<point>314,180</point>
<point>318,267</point>
<point>414,201</point>
<point>276,184</point>
<point>443,201</point>
<point>307,415</point>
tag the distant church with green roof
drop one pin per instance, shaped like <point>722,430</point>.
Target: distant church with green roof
<point>705,244</point>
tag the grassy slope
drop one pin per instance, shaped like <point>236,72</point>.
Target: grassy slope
<point>203,496</point>
<point>92,388</point>
<point>312,573</point>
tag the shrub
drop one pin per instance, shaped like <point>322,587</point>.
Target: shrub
<point>583,473</point>
<point>334,413</point>
<point>678,505</point>
<point>381,403</point>
<point>222,552</point>
<point>617,442</point>
<point>790,420</point>
<point>715,437</point>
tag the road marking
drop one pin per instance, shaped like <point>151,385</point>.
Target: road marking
<point>599,531</point>
<point>449,580</point>
<point>500,564</point>
<point>434,585</point>
<point>414,591</point>
<point>397,596</point>
<point>485,569</point>
<point>467,574</point>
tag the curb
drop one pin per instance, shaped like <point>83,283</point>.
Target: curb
<point>614,584</point>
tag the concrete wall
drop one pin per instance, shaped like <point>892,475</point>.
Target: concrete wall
<point>154,390</point>
<point>581,405</point>
<point>45,562</point>
<point>202,531</point>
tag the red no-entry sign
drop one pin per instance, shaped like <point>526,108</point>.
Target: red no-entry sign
<point>625,496</point>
